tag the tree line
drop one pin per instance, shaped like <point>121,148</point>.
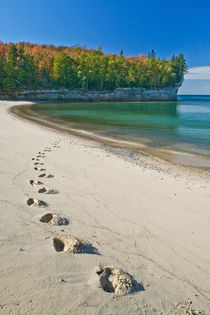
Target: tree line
<point>32,66</point>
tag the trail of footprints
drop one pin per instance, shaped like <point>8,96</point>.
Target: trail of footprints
<point>110,279</point>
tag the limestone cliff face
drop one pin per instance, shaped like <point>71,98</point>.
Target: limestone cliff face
<point>120,94</point>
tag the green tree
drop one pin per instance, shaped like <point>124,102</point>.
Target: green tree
<point>13,55</point>
<point>2,72</point>
<point>29,66</point>
<point>62,71</point>
<point>9,82</point>
<point>179,67</point>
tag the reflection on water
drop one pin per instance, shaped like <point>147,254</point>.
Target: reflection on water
<point>182,126</point>
<point>125,115</point>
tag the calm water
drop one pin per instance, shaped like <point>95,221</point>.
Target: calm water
<point>182,126</point>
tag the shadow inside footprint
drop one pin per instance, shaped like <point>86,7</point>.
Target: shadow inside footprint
<point>58,244</point>
<point>35,182</point>
<point>54,218</point>
<point>47,190</point>
<point>46,175</point>
<point>39,169</point>
<point>73,245</point>
<point>115,280</point>
<point>42,190</point>
<point>35,202</point>
<point>30,201</point>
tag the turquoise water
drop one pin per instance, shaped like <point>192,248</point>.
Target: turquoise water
<point>183,126</point>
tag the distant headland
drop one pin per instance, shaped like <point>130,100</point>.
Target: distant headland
<point>47,72</point>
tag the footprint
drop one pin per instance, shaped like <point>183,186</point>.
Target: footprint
<point>43,175</point>
<point>38,156</point>
<point>47,190</point>
<point>38,164</point>
<point>35,202</point>
<point>54,218</point>
<point>72,245</point>
<point>114,280</point>
<point>46,175</point>
<point>35,182</point>
<point>39,169</point>
<point>33,159</point>
<point>42,190</point>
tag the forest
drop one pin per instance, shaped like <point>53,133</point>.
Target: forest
<point>26,66</point>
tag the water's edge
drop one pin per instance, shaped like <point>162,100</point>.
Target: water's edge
<point>181,158</point>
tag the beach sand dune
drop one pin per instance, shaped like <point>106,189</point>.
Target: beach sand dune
<point>148,222</point>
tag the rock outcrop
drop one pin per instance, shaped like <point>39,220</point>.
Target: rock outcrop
<point>80,95</point>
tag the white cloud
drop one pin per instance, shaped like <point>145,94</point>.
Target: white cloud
<point>207,87</point>
<point>198,73</point>
<point>195,87</point>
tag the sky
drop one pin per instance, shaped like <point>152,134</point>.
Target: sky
<point>137,26</point>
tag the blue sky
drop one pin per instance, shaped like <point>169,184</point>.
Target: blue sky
<point>135,26</point>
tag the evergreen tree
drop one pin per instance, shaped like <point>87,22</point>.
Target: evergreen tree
<point>153,54</point>
<point>2,72</point>
<point>13,55</point>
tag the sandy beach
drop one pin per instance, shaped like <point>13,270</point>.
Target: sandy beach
<point>146,217</point>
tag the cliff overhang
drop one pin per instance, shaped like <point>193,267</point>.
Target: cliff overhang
<point>81,95</point>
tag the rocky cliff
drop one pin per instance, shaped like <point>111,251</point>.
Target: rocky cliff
<point>79,95</point>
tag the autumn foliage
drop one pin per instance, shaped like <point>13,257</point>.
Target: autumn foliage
<point>32,66</point>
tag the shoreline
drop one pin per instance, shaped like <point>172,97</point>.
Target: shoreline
<point>146,216</point>
<point>198,162</point>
